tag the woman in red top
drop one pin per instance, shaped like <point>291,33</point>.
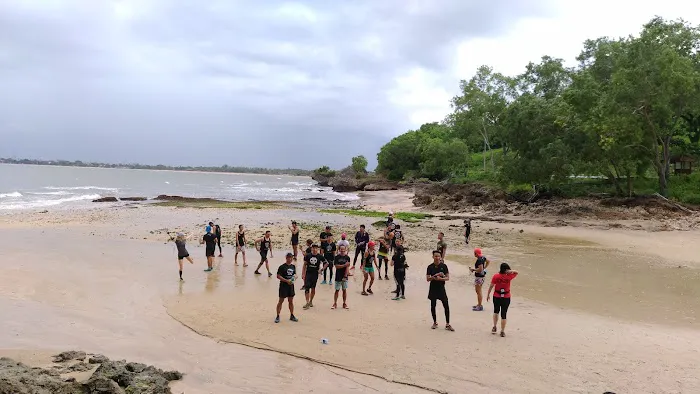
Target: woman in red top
<point>501,295</point>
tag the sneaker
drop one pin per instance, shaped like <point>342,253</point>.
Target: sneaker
<point>380,277</point>
<point>396,298</point>
<point>403,297</point>
<point>364,293</point>
<point>370,291</point>
<point>434,326</point>
<point>208,269</point>
<point>256,273</point>
<point>324,283</point>
<point>293,318</point>
<point>478,308</point>
<point>306,306</point>
<point>269,274</point>
<point>311,304</point>
<point>386,277</point>
<point>277,319</point>
<point>395,292</point>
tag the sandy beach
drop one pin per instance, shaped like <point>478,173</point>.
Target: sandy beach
<point>594,309</point>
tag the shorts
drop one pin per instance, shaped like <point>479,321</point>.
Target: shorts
<point>241,248</point>
<point>263,256</point>
<point>310,281</point>
<point>210,251</point>
<point>183,256</point>
<point>369,269</point>
<point>342,285</point>
<point>437,294</point>
<point>286,291</point>
<point>295,242</point>
<point>479,280</point>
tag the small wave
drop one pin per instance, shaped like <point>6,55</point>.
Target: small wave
<point>58,193</point>
<point>109,189</point>
<point>49,203</point>
<point>10,195</point>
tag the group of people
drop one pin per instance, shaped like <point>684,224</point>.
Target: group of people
<point>330,257</point>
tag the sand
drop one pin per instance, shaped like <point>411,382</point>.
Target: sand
<point>593,310</point>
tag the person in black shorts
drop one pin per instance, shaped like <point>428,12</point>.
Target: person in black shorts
<point>309,273</point>
<point>467,230</point>
<point>180,243</point>
<point>264,246</point>
<point>217,234</point>
<point>324,237</point>
<point>286,273</point>
<point>361,241</point>
<point>437,274</point>
<point>210,240</point>
<point>398,261</point>
<point>329,253</point>
<point>342,265</point>
<point>295,238</point>
<point>307,251</point>
<point>240,245</point>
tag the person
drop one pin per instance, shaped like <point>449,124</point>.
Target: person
<point>479,271</point>
<point>309,244</point>
<point>437,274</point>
<point>342,264</point>
<point>295,238</point>
<point>329,254</point>
<point>398,261</point>
<point>180,243</point>
<point>217,234</point>
<point>264,245</point>
<point>383,256</point>
<point>442,245</point>
<point>398,234</point>
<point>343,241</point>
<point>369,261</point>
<point>210,249</point>
<point>286,273</point>
<point>361,241</point>
<point>467,230</point>
<point>390,218</point>
<point>324,237</point>
<point>240,245</point>
<point>309,274</point>
<point>389,236</point>
<point>500,283</point>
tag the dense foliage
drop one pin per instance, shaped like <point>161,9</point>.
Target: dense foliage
<point>621,114</point>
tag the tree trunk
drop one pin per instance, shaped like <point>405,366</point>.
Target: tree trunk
<point>664,167</point>
<point>630,183</point>
<point>484,155</point>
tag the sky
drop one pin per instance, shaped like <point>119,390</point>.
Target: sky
<point>270,83</point>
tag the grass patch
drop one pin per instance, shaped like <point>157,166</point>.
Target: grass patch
<point>409,217</point>
<point>218,204</point>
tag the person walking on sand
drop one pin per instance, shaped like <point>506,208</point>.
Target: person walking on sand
<point>324,237</point>
<point>264,246</point>
<point>361,241</point>
<point>210,248</point>
<point>398,261</point>
<point>329,254</point>
<point>342,265</point>
<point>295,238</point>
<point>286,273</point>
<point>479,271</point>
<point>180,243</point>
<point>383,257</point>
<point>437,274</point>
<point>467,230</point>
<point>240,245</point>
<point>389,236</point>
<point>309,244</point>
<point>500,284</point>
<point>217,234</point>
<point>442,245</point>
<point>369,261</point>
<point>309,274</point>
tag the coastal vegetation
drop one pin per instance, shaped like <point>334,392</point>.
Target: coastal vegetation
<point>410,217</point>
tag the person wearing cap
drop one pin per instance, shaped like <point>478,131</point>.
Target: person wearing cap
<point>309,273</point>
<point>217,233</point>
<point>210,240</point>
<point>264,245</point>
<point>286,273</point>
<point>295,238</point>
<point>479,271</point>
<point>182,253</point>
<point>343,241</point>
<point>369,261</point>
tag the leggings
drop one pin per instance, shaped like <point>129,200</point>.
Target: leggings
<point>445,305</point>
<point>400,277</point>
<point>328,269</point>
<point>501,304</point>
<point>218,242</point>
<point>359,251</point>
<point>386,265</point>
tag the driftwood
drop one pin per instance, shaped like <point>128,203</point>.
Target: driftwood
<point>675,204</point>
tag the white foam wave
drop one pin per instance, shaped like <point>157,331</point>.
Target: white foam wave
<point>58,193</point>
<point>49,203</point>
<point>10,195</point>
<point>109,189</point>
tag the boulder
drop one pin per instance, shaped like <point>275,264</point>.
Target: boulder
<point>106,199</point>
<point>377,187</point>
<point>133,198</point>
<point>68,356</point>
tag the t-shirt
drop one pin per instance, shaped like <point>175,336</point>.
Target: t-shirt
<point>307,251</point>
<point>313,263</point>
<point>480,261</point>
<point>329,249</point>
<point>361,239</point>
<point>398,234</point>
<point>181,249</point>
<point>441,245</point>
<point>265,244</point>
<point>501,284</point>
<point>467,230</point>
<point>433,270</point>
<point>217,231</point>
<point>240,239</point>
<point>343,242</point>
<point>341,260</point>
<point>287,271</point>
<point>399,262</point>
<point>324,235</point>
<point>210,240</point>
<point>383,248</point>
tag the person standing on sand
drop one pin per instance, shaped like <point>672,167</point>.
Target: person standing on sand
<point>217,234</point>
<point>437,274</point>
<point>210,240</point>
<point>180,243</point>
<point>240,245</point>
<point>342,264</point>
<point>479,271</point>
<point>389,236</point>
<point>398,261</point>
<point>264,245</point>
<point>361,241</point>
<point>329,254</point>
<point>309,243</point>
<point>442,245</point>
<point>500,283</point>
<point>467,230</point>
<point>343,241</point>
<point>369,261</point>
<point>383,256</point>
<point>309,274</point>
<point>295,238</point>
<point>324,237</point>
<point>286,273</point>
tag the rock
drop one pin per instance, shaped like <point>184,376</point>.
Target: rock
<point>69,379</point>
<point>522,231</point>
<point>68,356</point>
<point>80,367</point>
<point>172,375</point>
<point>103,385</point>
<point>376,187</point>
<point>106,199</point>
<point>133,198</point>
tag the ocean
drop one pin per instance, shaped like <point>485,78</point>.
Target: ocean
<point>33,187</point>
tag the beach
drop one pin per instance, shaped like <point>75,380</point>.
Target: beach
<point>594,309</point>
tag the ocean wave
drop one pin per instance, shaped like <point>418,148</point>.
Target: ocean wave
<point>109,189</point>
<point>10,195</point>
<point>49,203</point>
<point>58,193</point>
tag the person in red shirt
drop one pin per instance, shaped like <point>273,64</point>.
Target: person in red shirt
<point>500,284</point>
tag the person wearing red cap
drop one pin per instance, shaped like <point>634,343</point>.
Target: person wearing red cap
<point>479,271</point>
<point>369,261</point>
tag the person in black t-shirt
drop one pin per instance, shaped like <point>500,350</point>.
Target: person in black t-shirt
<point>264,245</point>
<point>467,230</point>
<point>309,273</point>
<point>398,261</point>
<point>437,274</point>
<point>479,271</point>
<point>342,265</point>
<point>294,228</point>
<point>210,240</point>
<point>324,237</point>
<point>217,234</point>
<point>329,253</point>
<point>361,241</point>
<point>240,245</point>
<point>286,273</point>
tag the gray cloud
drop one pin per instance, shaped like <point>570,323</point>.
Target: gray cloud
<point>270,83</point>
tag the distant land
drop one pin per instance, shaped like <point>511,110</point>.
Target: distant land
<point>136,166</point>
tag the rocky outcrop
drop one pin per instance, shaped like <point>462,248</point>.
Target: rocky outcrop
<point>451,197</point>
<point>164,197</point>
<point>378,187</point>
<point>347,180</point>
<point>106,199</point>
<point>133,198</point>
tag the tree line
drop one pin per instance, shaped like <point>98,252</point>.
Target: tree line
<point>622,113</point>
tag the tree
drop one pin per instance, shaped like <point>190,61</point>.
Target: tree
<point>359,164</point>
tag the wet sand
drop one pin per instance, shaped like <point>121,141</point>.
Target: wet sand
<point>593,310</point>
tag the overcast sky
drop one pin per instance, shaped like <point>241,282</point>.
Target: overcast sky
<point>265,83</point>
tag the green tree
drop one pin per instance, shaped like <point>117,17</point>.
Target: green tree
<point>359,164</point>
